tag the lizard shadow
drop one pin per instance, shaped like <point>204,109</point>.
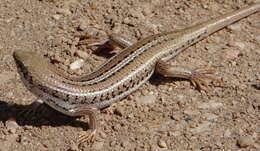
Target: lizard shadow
<point>45,116</point>
<point>157,79</point>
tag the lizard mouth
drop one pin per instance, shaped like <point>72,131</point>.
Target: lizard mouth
<point>19,63</point>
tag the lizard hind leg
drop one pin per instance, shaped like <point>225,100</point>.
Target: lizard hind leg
<point>197,77</point>
<point>90,111</point>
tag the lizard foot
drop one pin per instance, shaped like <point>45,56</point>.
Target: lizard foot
<point>91,40</point>
<point>87,137</point>
<point>198,78</point>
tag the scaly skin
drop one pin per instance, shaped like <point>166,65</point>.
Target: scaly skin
<point>120,75</point>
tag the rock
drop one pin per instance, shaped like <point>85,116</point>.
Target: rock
<point>136,13</point>
<point>76,64</point>
<point>56,17</point>
<point>82,54</point>
<point>103,135</point>
<point>176,117</point>
<point>245,141</point>
<point>11,125</point>
<point>227,133</point>
<point>241,45</point>
<point>24,140</point>
<point>64,11</point>
<point>162,144</point>
<point>203,127</point>
<point>210,105</point>
<point>125,144</point>
<point>147,10</point>
<point>231,54</point>
<point>129,21</point>
<point>210,117</point>
<point>113,143</point>
<point>119,111</point>
<point>147,99</point>
<point>83,26</point>
<point>234,27</point>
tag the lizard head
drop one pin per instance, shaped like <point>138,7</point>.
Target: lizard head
<point>29,60</point>
<point>30,64</point>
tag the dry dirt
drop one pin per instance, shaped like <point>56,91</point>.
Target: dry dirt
<point>164,114</point>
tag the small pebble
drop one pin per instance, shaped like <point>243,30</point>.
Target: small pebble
<point>56,17</point>
<point>113,143</point>
<point>210,105</point>
<point>64,11</point>
<point>147,10</point>
<point>231,54</point>
<point>205,6</point>
<point>11,126</point>
<point>58,58</point>
<point>82,54</point>
<point>119,111</point>
<point>227,133</point>
<point>245,141</point>
<point>234,27</point>
<point>147,99</point>
<point>83,26</point>
<point>241,45</point>
<point>128,21</point>
<point>180,97</point>
<point>125,144</point>
<point>210,117</point>
<point>24,140</point>
<point>103,135</point>
<point>176,117</point>
<point>8,20</point>
<point>76,64</point>
<point>136,13</point>
<point>141,129</point>
<point>117,28</point>
<point>162,144</point>
<point>203,127</point>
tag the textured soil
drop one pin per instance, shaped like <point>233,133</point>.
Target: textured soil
<point>164,114</point>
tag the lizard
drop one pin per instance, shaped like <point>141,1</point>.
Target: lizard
<point>120,75</point>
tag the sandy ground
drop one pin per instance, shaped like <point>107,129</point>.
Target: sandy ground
<point>164,114</point>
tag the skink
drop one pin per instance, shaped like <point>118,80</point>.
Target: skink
<point>120,75</point>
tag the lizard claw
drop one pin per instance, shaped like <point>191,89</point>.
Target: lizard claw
<point>88,136</point>
<point>199,77</point>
